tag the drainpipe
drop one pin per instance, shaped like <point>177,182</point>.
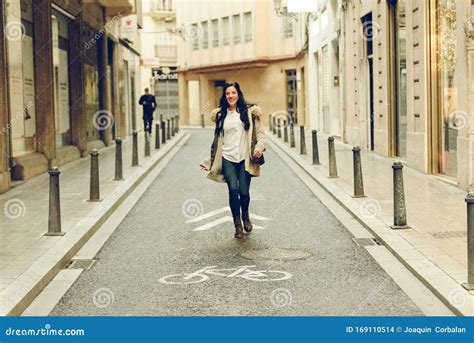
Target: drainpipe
<point>342,67</point>
<point>469,31</point>
<point>7,100</point>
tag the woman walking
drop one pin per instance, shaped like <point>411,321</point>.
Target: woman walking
<point>237,151</point>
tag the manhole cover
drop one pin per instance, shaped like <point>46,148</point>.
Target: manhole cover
<point>275,254</point>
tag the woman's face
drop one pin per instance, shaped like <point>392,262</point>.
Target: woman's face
<point>231,96</point>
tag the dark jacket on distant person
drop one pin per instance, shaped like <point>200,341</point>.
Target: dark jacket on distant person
<point>149,104</point>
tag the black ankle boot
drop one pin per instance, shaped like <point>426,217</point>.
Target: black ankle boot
<point>247,223</point>
<point>239,233</point>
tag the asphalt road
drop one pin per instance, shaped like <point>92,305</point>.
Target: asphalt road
<point>144,268</point>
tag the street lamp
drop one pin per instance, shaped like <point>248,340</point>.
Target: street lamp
<point>179,31</point>
<point>283,11</point>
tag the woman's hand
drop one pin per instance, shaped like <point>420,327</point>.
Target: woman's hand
<point>203,167</point>
<point>257,154</point>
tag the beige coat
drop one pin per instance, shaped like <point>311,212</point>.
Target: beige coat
<point>215,173</point>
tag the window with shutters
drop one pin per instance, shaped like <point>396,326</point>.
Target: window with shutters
<point>248,26</point>
<point>236,28</point>
<point>205,35</point>
<point>225,31</point>
<point>215,32</point>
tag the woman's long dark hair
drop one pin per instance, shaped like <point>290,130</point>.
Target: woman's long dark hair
<point>241,107</point>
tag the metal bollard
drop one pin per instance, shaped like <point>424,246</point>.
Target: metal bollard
<point>172,126</point>
<point>285,131</point>
<point>168,129</point>
<point>270,127</point>
<point>157,136</point>
<point>161,118</point>
<point>302,141</point>
<point>135,149</point>
<point>202,120</point>
<point>147,145</point>
<point>279,128</point>
<point>94,194</point>
<point>54,219</point>
<point>163,132</point>
<point>332,158</point>
<point>177,123</point>
<point>314,134</point>
<point>358,181</point>
<point>399,208</point>
<point>274,126</point>
<point>470,242</point>
<point>292,134</point>
<point>118,160</point>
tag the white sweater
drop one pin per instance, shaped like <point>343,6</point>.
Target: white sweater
<point>235,138</point>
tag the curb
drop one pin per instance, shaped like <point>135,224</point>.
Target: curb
<point>452,294</point>
<point>18,295</point>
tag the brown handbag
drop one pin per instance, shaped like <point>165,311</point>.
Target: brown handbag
<point>259,160</point>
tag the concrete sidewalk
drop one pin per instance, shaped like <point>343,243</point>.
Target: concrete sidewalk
<point>435,248</point>
<point>28,259</point>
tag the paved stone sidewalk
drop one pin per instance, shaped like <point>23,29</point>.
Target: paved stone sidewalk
<point>436,210</point>
<point>25,208</point>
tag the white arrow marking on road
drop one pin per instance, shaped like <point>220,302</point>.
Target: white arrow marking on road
<point>208,215</point>
<point>221,210</point>
<point>220,221</point>
<point>254,216</point>
<point>214,223</point>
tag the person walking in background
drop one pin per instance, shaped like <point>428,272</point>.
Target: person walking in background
<point>237,151</point>
<point>149,105</point>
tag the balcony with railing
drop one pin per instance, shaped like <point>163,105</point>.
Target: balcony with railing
<point>166,52</point>
<point>162,9</point>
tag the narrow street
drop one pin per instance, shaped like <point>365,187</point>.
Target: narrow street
<point>299,259</point>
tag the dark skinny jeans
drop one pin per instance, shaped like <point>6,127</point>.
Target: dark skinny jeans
<point>238,183</point>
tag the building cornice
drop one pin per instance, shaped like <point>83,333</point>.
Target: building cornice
<point>251,63</point>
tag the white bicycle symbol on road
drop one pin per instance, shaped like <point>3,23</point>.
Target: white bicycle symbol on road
<point>243,272</point>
